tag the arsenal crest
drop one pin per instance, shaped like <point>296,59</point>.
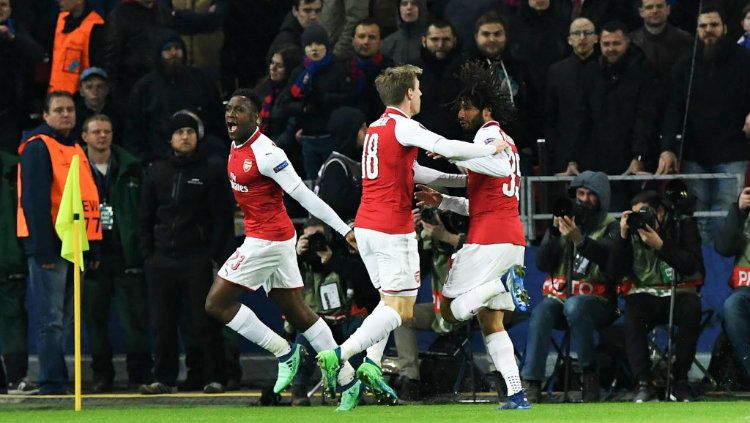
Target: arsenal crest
<point>247,165</point>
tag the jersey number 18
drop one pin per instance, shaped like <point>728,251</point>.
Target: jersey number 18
<point>370,157</point>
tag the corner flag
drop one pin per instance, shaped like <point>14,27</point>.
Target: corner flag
<point>70,215</point>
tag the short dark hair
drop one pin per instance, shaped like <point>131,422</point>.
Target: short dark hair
<point>650,197</point>
<point>440,23</point>
<point>614,26</point>
<point>250,95</point>
<point>368,22</point>
<point>715,8</point>
<point>296,3</point>
<point>488,18</point>
<point>53,95</point>
<point>95,118</point>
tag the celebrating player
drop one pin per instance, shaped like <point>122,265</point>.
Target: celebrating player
<point>486,276</point>
<point>384,227</point>
<point>258,172</point>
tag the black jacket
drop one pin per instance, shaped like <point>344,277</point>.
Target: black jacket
<point>562,99</point>
<point>719,103</point>
<point>18,58</point>
<point>618,114</point>
<point>369,100</point>
<point>682,252</point>
<point>289,32</point>
<point>602,11</point>
<point>437,113</point>
<point>186,209</point>
<point>662,50</point>
<point>731,240</point>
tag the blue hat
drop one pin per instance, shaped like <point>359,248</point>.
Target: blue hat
<point>94,71</point>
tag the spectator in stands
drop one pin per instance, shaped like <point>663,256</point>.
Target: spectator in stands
<point>325,266</point>
<point>14,321</point>
<point>173,86</point>
<point>615,127</point>
<point>46,155</point>
<point>339,18</point>
<point>303,14</point>
<point>744,40</point>
<point>538,41</point>
<point>133,30</point>
<point>93,98</point>
<point>665,250</point>
<point>200,23</point>
<point>403,46</point>
<point>80,40</point>
<point>339,182</point>
<point>716,133</point>
<point>733,241</point>
<point>563,94</point>
<point>491,38</point>
<point>582,237</point>
<point>185,226</point>
<point>315,89</point>
<point>601,11</point>
<point>119,278</point>
<point>365,66</point>
<point>18,54</point>
<point>463,14</point>
<point>440,52</point>
<point>274,122</point>
<point>662,43</point>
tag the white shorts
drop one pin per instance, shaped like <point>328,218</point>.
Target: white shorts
<point>392,260</point>
<point>478,264</point>
<point>261,263</point>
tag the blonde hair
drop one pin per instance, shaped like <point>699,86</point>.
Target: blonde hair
<point>393,83</point>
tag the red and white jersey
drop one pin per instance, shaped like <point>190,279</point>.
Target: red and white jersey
<point>493,200</point>
<point>388,156</point>
<point>258,171</point>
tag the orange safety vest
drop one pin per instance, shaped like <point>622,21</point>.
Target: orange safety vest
<point>70,53</point>
<point>61,156</point>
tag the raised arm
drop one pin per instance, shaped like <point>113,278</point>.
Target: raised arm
<point>426,175</point>
<point>411,133</point>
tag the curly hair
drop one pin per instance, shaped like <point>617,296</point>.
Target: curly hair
<point>482,88</point>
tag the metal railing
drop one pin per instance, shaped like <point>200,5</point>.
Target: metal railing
<point>528,203</point>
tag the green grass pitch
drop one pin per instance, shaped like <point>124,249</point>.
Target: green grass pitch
<point>710,412</point>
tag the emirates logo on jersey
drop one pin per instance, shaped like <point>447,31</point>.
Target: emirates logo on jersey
<point>232,176</point>
<point>247,165</point>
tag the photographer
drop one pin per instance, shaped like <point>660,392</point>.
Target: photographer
<point>582,234</point>
<point>438,241</point>
<point>658,246</point>
<point>734,240</point>
<point>337,288</point>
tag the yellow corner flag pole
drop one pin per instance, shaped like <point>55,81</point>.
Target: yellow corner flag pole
<point>71,229</point>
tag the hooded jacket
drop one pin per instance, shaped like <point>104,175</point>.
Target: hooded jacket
<point>156,96</point>
<point>598,231</point>
<point>404,45</point>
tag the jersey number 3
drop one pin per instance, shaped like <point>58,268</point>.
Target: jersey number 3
<point>370,157</point>
<point>510,188</point>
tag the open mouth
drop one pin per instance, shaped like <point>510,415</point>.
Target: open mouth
<point>232,127</point>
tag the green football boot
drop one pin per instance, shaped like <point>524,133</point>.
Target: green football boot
<point>288,366</point>
<point>329,362</point>
<point>351,395</point>
<point>372,377</point>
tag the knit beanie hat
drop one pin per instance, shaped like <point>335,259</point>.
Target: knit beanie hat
<point>315,34</point>
<point>182,120</point>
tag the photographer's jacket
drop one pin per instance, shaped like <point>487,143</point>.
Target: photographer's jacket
<point>646,270</point>
<point>598,230</point>
<point>734,240</point>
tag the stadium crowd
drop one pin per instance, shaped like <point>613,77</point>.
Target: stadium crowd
<point>615,87</point>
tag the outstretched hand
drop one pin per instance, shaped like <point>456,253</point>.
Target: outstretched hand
<point>427,197</point>
<point>352,240</point>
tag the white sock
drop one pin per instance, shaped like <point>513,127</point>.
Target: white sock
<point>468,304</point>
<point>320,337</point>
<point>247,324</point>
<point>500,349</point>
<point>375,352</point>
<point>377,325</point>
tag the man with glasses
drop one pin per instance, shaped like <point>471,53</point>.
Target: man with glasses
<point>563,92</point>
<point>662,43</point>
<point>304,13</point>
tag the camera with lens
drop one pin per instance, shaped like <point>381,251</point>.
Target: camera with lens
<point>317,242</point>
<point>566,206</point>
<point>677,198</point>
<point>453,222</point>
<point>639,219</point>
<point>429,215</point>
